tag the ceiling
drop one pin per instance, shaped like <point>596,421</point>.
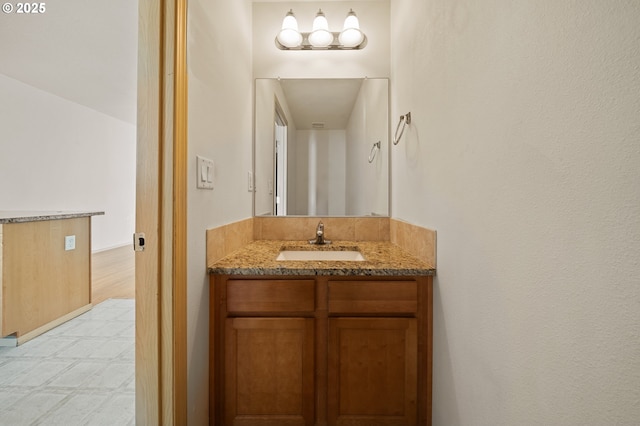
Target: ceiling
<point>83,51</point>
<point>327,101</point>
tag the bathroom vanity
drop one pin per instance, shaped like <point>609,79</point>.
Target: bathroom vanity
<point>45,271</point>
<point>320,342</point>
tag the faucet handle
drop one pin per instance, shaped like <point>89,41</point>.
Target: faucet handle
<point>319,239</point>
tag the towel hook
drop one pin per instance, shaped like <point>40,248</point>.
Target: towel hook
<point>374,150</point>
<point>404,120</point>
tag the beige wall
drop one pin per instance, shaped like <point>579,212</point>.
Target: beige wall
<point>523,154</point>
<point>220,117</point>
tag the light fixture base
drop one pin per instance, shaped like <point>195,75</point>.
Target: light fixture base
<point>335,44</point>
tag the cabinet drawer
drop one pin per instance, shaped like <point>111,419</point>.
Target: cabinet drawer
<point>371,297</point>
<point>274,296</point>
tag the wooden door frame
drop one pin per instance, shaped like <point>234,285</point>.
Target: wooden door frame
<point>161,206</point>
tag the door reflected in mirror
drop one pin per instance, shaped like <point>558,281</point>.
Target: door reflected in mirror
<point>316,150</point>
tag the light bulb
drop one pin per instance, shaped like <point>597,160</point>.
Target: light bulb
<point>320,35</point>
<point>351,36</point>
<point>289,36</point>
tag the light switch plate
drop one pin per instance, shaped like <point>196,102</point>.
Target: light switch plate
<point>250,181</point>
<point>205,173</point>
<point>70,242</point>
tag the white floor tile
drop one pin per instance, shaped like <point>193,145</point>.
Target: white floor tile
<point>10,370</point>
<point>128,332</point>
<point>42,347</point>
<point>113,376</point>
<point>76,374</point>
<point>40,373</point>
<point>76,410</point>
<point>129,354</point>
<point>96,347</point>
<point>112,348</point>
<point>8,398</point>
<point>119,410</point>
<point>131,386</point>
<point>30,408</point>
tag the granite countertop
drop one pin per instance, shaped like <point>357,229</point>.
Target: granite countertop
<point>382,258</point>
<point>34,216</point>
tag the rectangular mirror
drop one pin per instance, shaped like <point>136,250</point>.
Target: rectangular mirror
<point>321,147</point>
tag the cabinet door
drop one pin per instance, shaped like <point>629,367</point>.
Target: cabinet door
<point>269,377</point>
<point>372,371</point>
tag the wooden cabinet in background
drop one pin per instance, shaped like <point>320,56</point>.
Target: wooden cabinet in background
<point>42,284</point>
<point>325,350</point>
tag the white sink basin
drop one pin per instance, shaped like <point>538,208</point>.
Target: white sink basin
<point>311,255</point>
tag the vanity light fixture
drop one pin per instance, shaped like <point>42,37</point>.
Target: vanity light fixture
<point>351,35</point>
<point>320,35</point>
<point>320,38</point>
<point>289,36</point>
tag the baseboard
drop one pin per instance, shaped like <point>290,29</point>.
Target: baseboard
<point>113,247</point>
<point>43,329</point>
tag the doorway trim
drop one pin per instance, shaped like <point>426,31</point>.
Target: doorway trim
<point>161,359</point>
<point>280,161</point>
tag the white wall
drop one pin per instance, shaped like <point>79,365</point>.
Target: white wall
<point>368,183</point>
<point>59,155</point>
<point>336,177</point>
<point>266,93</point>
<point>220,128</point>
<point>319,171</point>
<point>524,155</point>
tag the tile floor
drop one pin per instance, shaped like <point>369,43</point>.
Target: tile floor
<point>79,373</point>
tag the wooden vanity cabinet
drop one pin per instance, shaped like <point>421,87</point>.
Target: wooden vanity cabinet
<point>373,374</point>
<point>262,352</point>
<point>322,350</point>
<point>269,371</point>
<point>373,352</point>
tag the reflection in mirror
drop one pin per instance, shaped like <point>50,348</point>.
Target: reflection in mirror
<point>313,142</point>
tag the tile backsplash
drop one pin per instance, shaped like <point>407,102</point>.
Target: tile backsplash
<point>226,239</point>
<point>419,241</point>
<point>336,228</point>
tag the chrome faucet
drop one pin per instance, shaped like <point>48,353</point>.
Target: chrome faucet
<point>319,239</point>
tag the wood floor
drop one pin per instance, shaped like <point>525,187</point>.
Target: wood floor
<point>113,274</point>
